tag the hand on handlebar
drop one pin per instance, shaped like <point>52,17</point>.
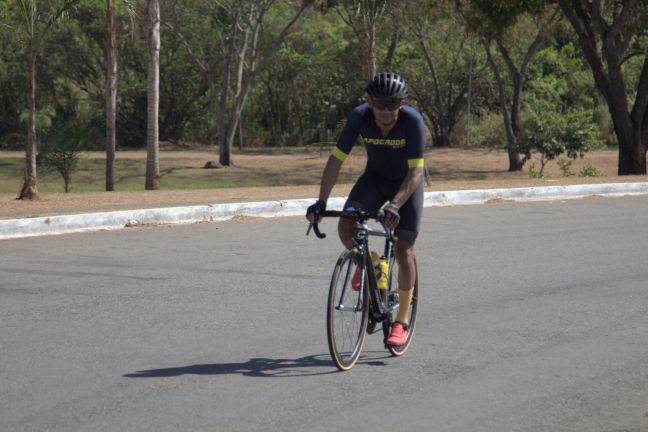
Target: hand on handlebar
<point>392,218</point>
<point>313,213</point>
<point>358,215</point>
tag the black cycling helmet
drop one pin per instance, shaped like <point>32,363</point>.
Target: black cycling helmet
<point>387,85</point>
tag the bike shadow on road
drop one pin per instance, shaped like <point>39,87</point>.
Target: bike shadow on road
<point>264,367</point>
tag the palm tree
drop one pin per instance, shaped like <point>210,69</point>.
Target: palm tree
<point>153,95</point>
<point>36,18</point>
<point>111,94</point>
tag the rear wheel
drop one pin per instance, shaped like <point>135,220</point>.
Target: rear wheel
<point>413,308</point>
<point>347,313</point>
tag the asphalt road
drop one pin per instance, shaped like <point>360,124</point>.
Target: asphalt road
<point>533,317</point>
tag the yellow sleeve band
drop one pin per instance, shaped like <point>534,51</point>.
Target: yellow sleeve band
<point>338,154</point>
<point>416,163</point>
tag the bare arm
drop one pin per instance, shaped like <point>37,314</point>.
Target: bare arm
<point>409,185</point>
<point>329,177</point>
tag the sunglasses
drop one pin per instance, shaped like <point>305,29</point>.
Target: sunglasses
<point>386,104</point>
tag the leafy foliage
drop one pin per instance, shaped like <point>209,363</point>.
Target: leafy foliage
<point>590,171</point>
<point>565,167</point>
<point>552,135</point>
<point>560,120</point>
<point>315,78</point>
<point>62,152</point>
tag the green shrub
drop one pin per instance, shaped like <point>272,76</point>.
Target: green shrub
<point>565,165</point>
<point>534,173</point>
<point>589,171</point>
<point>62,151</point>
<point>552,134</point>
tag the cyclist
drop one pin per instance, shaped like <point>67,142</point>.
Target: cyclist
<point>393,134</point>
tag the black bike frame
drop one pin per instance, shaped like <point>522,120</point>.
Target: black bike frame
<point>378,309</point>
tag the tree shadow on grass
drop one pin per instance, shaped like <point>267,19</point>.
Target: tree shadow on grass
<point>264,367</point>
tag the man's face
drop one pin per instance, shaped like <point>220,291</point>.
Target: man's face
<point>385,111</point>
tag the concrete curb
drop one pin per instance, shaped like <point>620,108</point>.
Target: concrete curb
<point>467,197</point>
<point>19,228</point>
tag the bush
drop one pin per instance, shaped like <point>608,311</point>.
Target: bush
<point>565,167</point>
<point>534,173</point>
<point>62,152</point>
<point>589,171</point>
<point>552,134</point>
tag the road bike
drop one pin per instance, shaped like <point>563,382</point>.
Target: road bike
<point>351,313</point>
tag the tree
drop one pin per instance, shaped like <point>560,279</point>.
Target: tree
<point>153,95</point>
<point>610,37</point>
<point>363,17</point>
<point>442,55</point>
<point>561,100</point>
<point>320,59</point>
<point>504,24</point>
<point>246,59</point>
<point>111,93</point>
<point>35,19</point>
<point>552,134</point>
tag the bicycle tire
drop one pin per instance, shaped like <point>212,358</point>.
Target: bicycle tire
<point>346,327</point>
<point>393,287</point>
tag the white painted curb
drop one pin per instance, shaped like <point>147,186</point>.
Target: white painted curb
<point>18,228</point>
<point>465,197</point>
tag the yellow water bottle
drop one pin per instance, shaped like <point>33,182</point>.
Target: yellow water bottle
<point>384,269</point>
<point>375,260</point>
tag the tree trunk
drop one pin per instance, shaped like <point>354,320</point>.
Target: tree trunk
<point>515,161</point>
<point>235,117</point>
<point>371,67</point>
<point>221,127</point>
<point>630,126</point>
<point>111,94</point>
<point>632,149</point>
<point>391,51</point>
<point>29,190</point>
<point>153,97</point>
<point>240,134</point>
<point>512,120</point>
<point>228,130</point>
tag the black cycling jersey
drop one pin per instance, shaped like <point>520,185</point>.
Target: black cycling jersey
<point>388,161</point>
<point>388,157</point>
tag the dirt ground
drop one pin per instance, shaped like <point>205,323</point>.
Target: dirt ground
<point>450,169</point>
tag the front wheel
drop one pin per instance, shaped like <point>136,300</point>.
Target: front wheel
<point>413,308</point>
<point>347,313</point>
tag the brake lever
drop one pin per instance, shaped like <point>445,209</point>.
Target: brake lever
<point>318,233</point>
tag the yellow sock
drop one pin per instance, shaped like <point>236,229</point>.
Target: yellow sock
<point>404,299</point>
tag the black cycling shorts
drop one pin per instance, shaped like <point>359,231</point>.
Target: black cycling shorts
<point>371,192</point>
